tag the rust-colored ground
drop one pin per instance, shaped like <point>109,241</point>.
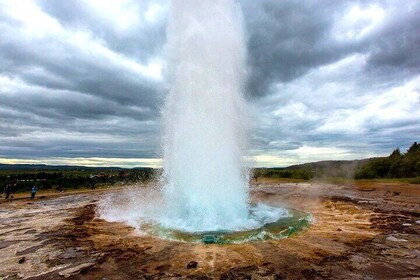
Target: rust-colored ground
<point>362,231</point>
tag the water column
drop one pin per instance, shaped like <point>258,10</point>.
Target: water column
<point>205,185</point>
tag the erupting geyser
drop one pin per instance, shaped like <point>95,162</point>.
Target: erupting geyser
<point>203,194</point>
<point>205,182</point>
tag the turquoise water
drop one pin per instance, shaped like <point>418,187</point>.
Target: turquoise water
<point>282,228</point>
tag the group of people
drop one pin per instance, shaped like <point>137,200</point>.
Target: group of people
<point>10,189</point>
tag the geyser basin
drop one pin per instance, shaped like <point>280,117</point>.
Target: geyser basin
<point>144,209</point>
<point>290,222</point>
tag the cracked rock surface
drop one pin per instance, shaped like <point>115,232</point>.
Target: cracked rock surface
<point>358,233</point>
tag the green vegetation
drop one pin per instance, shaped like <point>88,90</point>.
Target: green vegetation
<point>60,180</point>
<point>396,166</point>
<point>325,170</point>
<point>303,174</point>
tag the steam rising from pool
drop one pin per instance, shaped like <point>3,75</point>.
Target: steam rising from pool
<point>204,186</point>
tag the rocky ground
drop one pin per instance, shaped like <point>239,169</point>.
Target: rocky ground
<point>359,232</point>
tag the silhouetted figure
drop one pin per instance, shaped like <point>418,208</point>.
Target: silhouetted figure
<point>92,184</point>
<point>92,181</point>
<point>33,192</point>
<point>13,189</point>
<point>7,190</point>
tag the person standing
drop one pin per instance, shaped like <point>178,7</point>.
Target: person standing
<point>33,192</point>
<point>13,189</point>
<point>8,190</point>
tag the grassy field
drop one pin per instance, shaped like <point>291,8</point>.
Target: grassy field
<point>340,181</point>
<point>63,180</point>
<point>279,180</point>
<point>344,181</point>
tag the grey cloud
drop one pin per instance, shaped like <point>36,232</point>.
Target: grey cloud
<point>72,91</point>
<point>71,105</point>
<point>99,148</point>
<point>87,75</point>
<point>289,38</point>
<point>141,41</point>
<point>396,45</point>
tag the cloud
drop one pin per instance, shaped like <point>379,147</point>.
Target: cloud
<point>288,39</point>
<point>336,107</point>
<point>85,79</point>
<point>136,28</point>
<point>92,162</point>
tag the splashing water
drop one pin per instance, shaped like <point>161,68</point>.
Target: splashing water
<point>204,186</point>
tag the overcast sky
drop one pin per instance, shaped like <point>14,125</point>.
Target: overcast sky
<point>81,82</point>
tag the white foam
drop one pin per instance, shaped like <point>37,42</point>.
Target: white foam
<point>144,208</point>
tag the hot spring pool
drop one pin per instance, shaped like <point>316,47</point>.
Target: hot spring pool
<point>283,227</point>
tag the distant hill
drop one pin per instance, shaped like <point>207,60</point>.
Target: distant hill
<point>329,163</point>
<point>327,168</point>
<point>53,167</point>
<point>396,165</point>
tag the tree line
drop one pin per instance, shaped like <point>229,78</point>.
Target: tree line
<point>396,165</point>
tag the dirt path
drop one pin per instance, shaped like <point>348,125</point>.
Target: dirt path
<point>358,233</point>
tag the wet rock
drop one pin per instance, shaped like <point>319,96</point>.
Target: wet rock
<point>163,267</point>
<point>366,189</point>
<point>75,269</point>
<point>407,225</point>
<point>251,273</point>
<point>22,260</point>
<point>309,273</point>
<point>30,250</point>
<point>192,264</point>
<point>238,273</point>
<point>265,274</point>
<point>198,277</point>
<point>394,239</point>
<point>68,254</point>
<point>358,262</point>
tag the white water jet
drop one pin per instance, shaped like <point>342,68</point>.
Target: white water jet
<point>206,186</point>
